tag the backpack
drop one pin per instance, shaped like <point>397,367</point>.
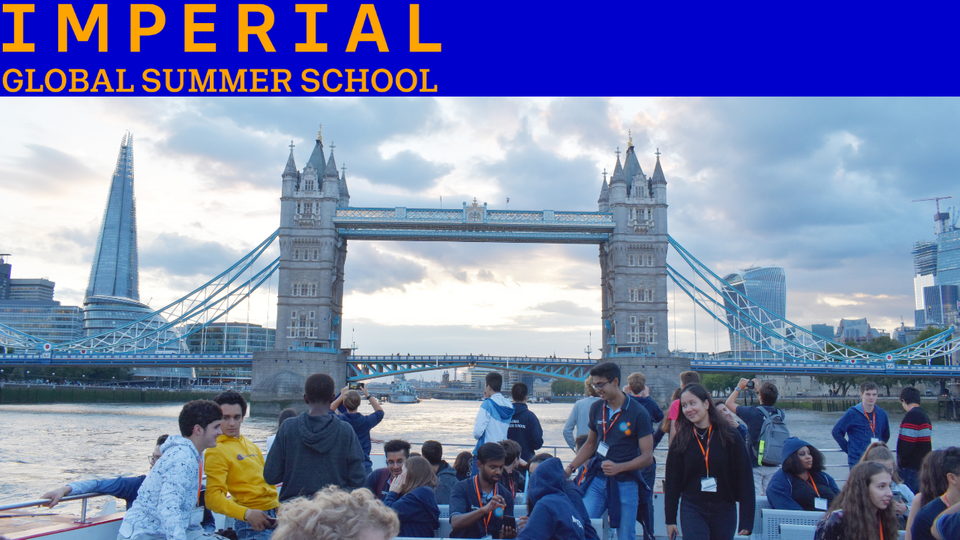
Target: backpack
<point>773,433</point>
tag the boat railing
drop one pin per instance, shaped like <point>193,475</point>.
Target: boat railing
<point>40,502</point>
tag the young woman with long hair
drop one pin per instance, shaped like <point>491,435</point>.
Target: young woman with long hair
<point>933,483</point>
<point>411,496</point>
<point>862,509</point>
<point>708,472</point>
<point>902,496</point>
<point>462,465</point>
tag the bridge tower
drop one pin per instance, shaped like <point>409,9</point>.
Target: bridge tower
<point>633,274</point>
<point>310,285</point>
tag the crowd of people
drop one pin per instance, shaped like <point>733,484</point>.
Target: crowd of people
<point>317,481</point>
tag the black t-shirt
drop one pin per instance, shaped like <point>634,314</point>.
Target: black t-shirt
<point>620,430</point>
<point>925,518</point>
<point>804,494</point>
<point>463,500</point>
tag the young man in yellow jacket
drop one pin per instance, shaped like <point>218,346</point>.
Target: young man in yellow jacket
<point>235,466</point>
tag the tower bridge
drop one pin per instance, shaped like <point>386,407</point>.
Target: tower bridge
<point>317,222</point>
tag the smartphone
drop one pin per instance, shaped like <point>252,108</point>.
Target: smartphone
<point>510,521</point>
<point>356,385</point>
<point>271,523</point>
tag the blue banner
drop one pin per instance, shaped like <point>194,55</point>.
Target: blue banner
<point>497,48</point>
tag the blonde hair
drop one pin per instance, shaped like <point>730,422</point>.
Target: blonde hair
<point>351,400</point>
<point>419,473</point>
<point>333,514</point>
<point>588,384</point>
<point>637,382</point>
<point>879,451</point>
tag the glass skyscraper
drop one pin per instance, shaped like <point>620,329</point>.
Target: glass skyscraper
<point>113,293</point>
<point>750,290</point>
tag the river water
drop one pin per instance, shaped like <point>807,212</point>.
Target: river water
<point>44,446</point>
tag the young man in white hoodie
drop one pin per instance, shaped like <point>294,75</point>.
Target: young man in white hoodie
<point>493,418</point>
<point>166,505</point>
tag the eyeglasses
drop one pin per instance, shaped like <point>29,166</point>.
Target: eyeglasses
<point>599,386</point>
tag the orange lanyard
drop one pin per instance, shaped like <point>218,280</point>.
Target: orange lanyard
<point>873,423</point>
<point>583,474</point>
<point>881,529</point>
<point>814,484</point>
<point>706,453</point>
<point>476,482</point>
<point>612,420</point>
<point>512,486</point>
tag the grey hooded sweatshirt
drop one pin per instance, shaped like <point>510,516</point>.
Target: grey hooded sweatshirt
<point>312,452</point>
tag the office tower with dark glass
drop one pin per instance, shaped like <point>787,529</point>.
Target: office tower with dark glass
<point>750,290</point>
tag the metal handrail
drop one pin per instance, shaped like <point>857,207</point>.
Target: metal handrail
<point>39,502</point>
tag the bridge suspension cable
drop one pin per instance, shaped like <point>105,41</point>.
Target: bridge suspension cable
<point>780,338</point>
<point>164,330</point>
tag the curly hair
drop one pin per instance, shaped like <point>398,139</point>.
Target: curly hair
<point>860,516</point>
<point>792,465</point>
<point>685,434</point>
<point>588,387</point>
<point>879,451</point>
<point>333,514</point>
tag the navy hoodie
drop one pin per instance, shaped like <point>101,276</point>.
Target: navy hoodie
<point>553,516</point>
<point>417,510</point>
<point>525,429</point>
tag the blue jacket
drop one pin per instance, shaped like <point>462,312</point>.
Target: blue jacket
<point>852,432</point>
<point>124,487</point>
<point>417,510</point>
<point>553,516</point>
<point>362,424</point>
<point>780,489</point>
<point>656,414</point>
<point>525,430</point>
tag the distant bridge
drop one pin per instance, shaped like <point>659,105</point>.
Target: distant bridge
<point>362,368</point>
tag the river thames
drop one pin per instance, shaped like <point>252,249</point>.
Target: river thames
<point>45,446</point>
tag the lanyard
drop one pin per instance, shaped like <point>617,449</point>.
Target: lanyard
<point>613,420</point>
<point>476,482</point>
<point>873,422</point>
<point>881,529</point>
<point>512,485</point>
<point>814,484</point>
<point>706,453</point>
<point>582,474</point>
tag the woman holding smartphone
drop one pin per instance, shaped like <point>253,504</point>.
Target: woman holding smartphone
<point>411,497</point>
<point>708,472</point>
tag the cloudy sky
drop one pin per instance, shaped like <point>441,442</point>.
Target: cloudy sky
<point>821,187</point>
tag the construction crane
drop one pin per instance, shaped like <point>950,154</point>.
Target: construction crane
<point>940,218</point>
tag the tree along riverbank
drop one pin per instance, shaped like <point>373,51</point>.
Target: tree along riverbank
<point>14,394</point>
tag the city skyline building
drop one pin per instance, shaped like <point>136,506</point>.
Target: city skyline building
<point>27,305</point>
<point>112,297</point>
<point>758,291</point>
<point>240,338</point>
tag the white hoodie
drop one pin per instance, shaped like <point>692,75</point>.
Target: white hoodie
<point>493,420</point>
<point>168,496</point>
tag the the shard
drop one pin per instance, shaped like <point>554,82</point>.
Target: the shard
<point>113,293</point>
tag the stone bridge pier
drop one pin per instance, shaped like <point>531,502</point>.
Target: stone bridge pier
<point>278,378</point>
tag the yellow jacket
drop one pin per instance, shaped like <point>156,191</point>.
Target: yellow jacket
<point>236,466</point>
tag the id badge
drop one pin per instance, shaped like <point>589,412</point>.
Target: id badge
<point>708,485</point>
<point>873,440</point>
<point>602,449</point>
<point>820,504</point>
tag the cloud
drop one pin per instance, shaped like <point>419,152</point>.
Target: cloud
<point>179,255</point>
<point>369,270</point>
<point>46,169</point>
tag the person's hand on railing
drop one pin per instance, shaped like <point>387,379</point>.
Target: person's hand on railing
<point>55,496</point>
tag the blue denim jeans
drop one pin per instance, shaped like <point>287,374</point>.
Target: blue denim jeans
<point>701,520</point>
<point>650,477</point>
<point>246,532</point>
<point>595,500</point>
<point>911,478</point>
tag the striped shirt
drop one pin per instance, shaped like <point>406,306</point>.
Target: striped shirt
<point>914,442</point>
